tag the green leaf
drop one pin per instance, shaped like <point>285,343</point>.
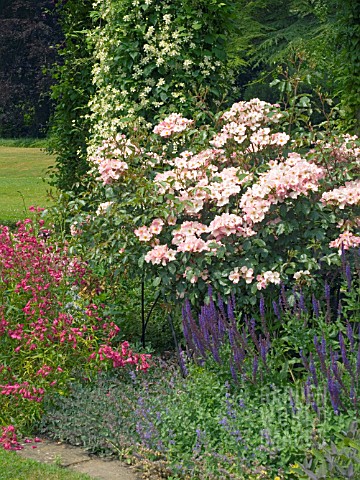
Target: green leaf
<point>196,25</point>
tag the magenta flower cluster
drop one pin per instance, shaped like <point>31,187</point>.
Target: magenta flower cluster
<point>49,324</point>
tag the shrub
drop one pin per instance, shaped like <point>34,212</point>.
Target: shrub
<point>228,204</point>
<point>50,327</point>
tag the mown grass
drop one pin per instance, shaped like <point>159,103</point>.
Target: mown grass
<point>24,142</point>
<point>16,468</point>
<point>22,174</point>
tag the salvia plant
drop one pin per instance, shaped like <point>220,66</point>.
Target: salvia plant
<point>326,356</point>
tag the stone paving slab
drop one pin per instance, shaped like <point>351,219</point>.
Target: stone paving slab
<point>99,469</point>
<point>75,458</point>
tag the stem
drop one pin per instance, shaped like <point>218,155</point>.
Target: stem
<point>151,309</point>
<point>143,322</point>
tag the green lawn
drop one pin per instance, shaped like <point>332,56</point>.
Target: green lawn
<point>21,181</point>
<point>13,467</point>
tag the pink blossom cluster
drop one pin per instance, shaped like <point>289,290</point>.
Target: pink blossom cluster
<point>345,240</point>
<point>124,356</point>
<point>174,123</point>
<point>289,178</point>
<point>111,169</point>
<point>188,237</point>
<point>188,229</point>
<point>160,255</point>
<point>229,224</point>
<point>242,272</point>
<point>262,138</point>
<point>8,438</point>
<point>110,157</point>
<point>243,118</point>
<point>145,234</point>
<point>349,194</point>
<point>202,178</point>
<point>265,278</point>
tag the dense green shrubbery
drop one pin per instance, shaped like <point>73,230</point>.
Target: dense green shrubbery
<point>257,419</point>
<point>71,93</point>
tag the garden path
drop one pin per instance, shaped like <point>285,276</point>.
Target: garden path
<point>76,459</point>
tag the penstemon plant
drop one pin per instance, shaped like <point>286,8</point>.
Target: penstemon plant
<point>51,327</point>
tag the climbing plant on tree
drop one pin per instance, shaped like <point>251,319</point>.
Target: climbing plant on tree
<point>124,59</point>
<point>154,58</point>
<point>71,93</point>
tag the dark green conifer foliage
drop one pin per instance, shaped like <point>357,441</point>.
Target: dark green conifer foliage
<point>71,93</point>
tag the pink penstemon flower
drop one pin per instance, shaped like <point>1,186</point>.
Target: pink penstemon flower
<point>33,271</point>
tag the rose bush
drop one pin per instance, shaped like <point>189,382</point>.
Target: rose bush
<point>229,204</point>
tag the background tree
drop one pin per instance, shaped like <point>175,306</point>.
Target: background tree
<point>28,34</point>
<point>316,41</point>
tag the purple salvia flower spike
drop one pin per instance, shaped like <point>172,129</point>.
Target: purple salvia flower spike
<point>350,335</point>
<point>221,306</point>
<point>348,276</point>
<point>276,309</point>
<point>313,371</point>
<point>302,304</point>
<point>239,356</point>
<point>321,355</point>
<point>315,305</point>
<point>343,353</point>
<point>323,345</point>
<point>304,360</point>
<point>215,353</point>
<point>230,311</point>
<point>315,407</point>
<point>334,391</point>
<point>262,306</point>
<point>231,336</point>
<point>264,348</point>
